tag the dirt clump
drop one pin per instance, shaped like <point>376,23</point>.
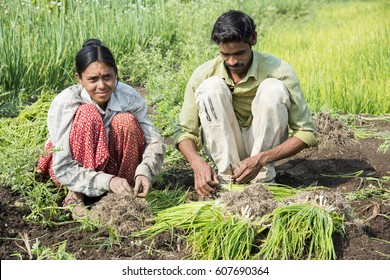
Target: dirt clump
<point>326,199</point>
<point>126,213</point>
<point>332,131</point>
<point>254,200</point>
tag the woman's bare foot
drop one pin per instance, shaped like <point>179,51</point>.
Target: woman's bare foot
<point>75,202</point>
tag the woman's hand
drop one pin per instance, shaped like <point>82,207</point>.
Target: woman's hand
<point>120,185</point>
<point>142,185</point>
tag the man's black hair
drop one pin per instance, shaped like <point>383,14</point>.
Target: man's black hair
<point>233,26</point>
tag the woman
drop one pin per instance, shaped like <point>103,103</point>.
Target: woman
<point>100,136</point>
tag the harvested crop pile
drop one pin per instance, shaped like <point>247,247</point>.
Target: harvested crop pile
<point>125,213</point>
<point>303,226</point>
<point>301,231</point>
<point>228,227</point>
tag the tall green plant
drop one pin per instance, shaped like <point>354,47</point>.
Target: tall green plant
<point>39,40</point>
<point>341,55</point>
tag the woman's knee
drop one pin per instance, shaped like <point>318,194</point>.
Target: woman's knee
<point>126,120</point>
<point>87,119</point>
<point>88,112</point>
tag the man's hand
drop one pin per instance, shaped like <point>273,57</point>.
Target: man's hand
<point>142,185</point>
<point>119,185</point>
<point>248,169</point>
<point>205,178</point>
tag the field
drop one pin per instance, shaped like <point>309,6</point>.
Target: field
<point>340,51</point>
<point>367,229</point>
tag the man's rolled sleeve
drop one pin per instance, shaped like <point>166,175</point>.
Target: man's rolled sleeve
<point>307,137</point>
<point>300,118</point>
<point>180,136</point>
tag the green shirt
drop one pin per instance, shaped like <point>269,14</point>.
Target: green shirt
<point>263,66</point>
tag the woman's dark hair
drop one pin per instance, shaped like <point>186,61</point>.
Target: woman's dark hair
<point>233,26</point>
<point>93,50</point>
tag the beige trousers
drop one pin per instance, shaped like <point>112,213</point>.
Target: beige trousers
<point>225,142</point>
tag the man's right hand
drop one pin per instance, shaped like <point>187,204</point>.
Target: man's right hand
<point>205,178</point>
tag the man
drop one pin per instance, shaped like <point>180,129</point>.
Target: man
<point>240,107</point>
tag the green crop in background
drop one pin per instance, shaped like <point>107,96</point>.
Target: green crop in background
<point>341,56</point>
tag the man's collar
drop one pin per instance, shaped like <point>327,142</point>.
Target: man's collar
<point>253,69</point>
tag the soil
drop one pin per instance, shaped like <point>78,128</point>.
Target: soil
<point>367,234</point>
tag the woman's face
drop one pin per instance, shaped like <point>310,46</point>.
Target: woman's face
<point>99,80</point>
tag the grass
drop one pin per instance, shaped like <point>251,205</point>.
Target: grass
<point>211,233</point>
<point>169,197</point>
<point>371,188</point>
<point>228,238</point>
<point>39,252</point>
<point>364,131</point>
<point>40,38</point>
<point>344,71</point>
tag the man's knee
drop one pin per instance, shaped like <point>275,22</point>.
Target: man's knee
<point>212,85</point>
<point>272,84</point>
<point>272,91</point>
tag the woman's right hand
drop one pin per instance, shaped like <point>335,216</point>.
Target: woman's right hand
<point>120,185</point>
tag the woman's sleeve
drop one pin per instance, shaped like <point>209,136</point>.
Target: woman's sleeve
<point>68,171</point>
<point>153,156</point>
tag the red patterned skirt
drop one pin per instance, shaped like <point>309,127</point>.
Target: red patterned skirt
<point>118,154</point>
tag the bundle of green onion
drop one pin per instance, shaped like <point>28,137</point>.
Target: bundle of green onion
<point>294,231</point>
<point>301,231</point>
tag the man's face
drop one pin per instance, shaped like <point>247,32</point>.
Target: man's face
<point>237,57</point>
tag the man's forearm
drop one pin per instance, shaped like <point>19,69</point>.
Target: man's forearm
<point>188,149</point>
<point>288,148</point>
